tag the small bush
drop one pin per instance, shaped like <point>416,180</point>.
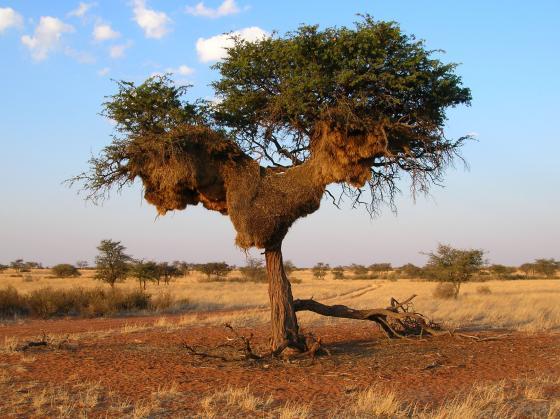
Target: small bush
<point>444,290</point>
<point>483,290</point>
<point>11,303</point>
<point>65,270</point>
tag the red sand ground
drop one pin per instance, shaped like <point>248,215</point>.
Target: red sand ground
<point>136,364</point>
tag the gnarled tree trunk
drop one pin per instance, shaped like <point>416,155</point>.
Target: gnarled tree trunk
<point>283,316</point>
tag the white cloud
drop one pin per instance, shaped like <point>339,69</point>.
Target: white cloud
<point>215,48</point>
<point>9,18</point>
<point>104,32</point>
<point>117,51</point>
<point>104,71</point>
<point>46,38</point>
<point>228,7</point>
<point>82,9</point>
<point>155,24</point>
<point>182,70</point>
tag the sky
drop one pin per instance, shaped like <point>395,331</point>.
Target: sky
<point>60,59</point>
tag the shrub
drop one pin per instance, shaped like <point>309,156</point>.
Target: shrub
<point>11,303</point>
<point>483,290</point>
<point>65,270</point>
<point>320,270</point>
<point>444,290</point>
<point>254,270</point>
<point>338,272</point>
<point>46,302</point>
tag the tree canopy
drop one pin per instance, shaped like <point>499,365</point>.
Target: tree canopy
<point>274,92</point>
<point>278,96</point>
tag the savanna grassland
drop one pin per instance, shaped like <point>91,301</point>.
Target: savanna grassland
<point>136,364</point>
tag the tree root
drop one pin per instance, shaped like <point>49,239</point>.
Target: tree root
<point>240,344</point>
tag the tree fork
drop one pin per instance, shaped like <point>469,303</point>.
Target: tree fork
<point>285,330</point>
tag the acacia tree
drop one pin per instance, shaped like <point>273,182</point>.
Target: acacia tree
<point>354,106</point>
<point>111,265</point>
<point>454,266</point>
<point>145,271</point>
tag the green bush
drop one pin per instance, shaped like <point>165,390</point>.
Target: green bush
<point>65,270</point>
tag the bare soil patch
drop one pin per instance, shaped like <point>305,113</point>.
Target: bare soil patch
<point>134,364</point>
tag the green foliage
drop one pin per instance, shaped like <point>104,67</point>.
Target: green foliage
<point>145,271</point>
<point>254,270</point>
<point>320,270</point>
<point>217,270</point>
<point>3,267</point>
<point>65,270</point>
<point>274,91</point>
<point>452,265</point>
<point>112,262</point>
<point>155,106</point>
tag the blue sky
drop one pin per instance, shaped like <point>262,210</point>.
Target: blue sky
<point>58,59</point>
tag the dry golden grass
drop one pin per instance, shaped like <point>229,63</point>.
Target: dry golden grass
<point>518,399</point>
<point>525,305</point>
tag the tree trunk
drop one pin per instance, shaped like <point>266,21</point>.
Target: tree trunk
<point>283,317</point>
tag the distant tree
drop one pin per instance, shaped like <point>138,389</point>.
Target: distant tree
<point>546,267</point>
<point>168,271</point>
<point>28,265</point>
<point>82,264</point>
<point>289,267</point>
<point>254,270</point>
<point>501,271</point>
<point>145,271</point>
<point>215,269</point>
<point>380,267</point>
<point>455,266</point>
<point>338,272</point>
<point>18,265</point>
<point>527,268</point>
<point>320,270</point>
<point>183,267</point>
<point>112,262</point>
<point>65,270</point>
<point>359,270</point>
<point>3,267</point>
<point>411,271</point>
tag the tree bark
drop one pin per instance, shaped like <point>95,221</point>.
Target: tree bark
<point>283,316</point>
